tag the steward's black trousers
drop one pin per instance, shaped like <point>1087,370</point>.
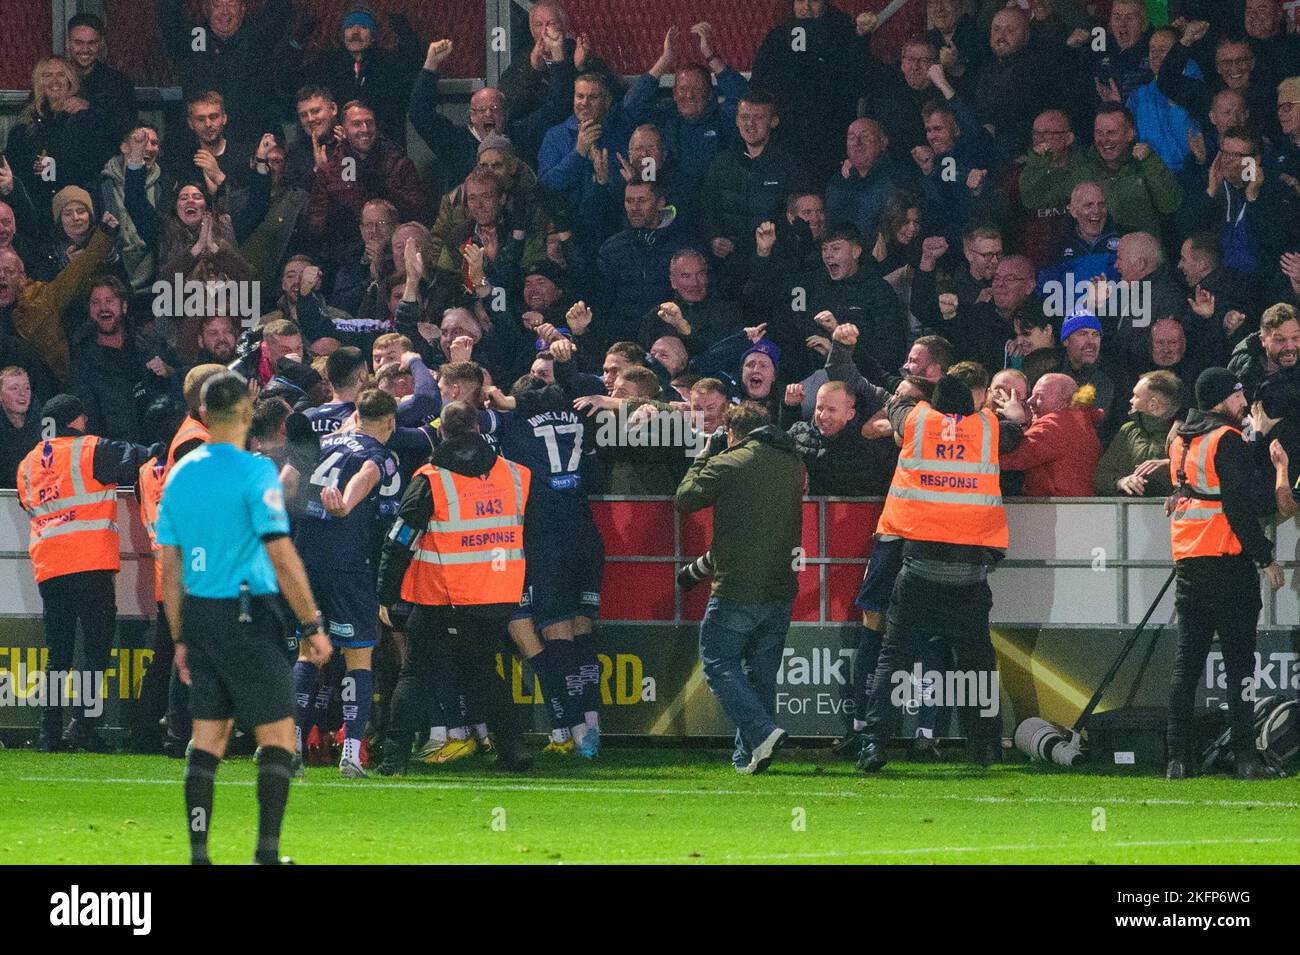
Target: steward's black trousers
<point>87,597</point>
<point>920,610</point>
<point>447,642</point>
<point>1214,595</point>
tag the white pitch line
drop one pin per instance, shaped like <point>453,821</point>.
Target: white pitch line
<point>926,850</point>
<point>645,791</point>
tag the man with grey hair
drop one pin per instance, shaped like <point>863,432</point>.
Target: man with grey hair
<point>693,314</point>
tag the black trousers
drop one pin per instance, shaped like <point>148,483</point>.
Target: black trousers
<point>921,610</point>
<point>152,704</point>
<point>458,641</point>
<point>1214,595</point>
<point>86,598</point>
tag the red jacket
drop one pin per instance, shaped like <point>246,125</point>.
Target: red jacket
<point>1059,453</point>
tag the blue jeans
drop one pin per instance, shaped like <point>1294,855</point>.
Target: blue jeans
<point>741,646</point>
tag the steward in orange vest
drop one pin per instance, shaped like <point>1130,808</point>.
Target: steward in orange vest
<point>945,503</point>
<point>456,553</point>
<point>68,484</point>
<point>1219,550</point>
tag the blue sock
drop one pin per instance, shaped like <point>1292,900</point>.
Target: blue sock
<point>564,662</point>
<point>864,670</point>
<point>304,681</point>
<point>589,670</point>
<point>358,693</point>
<point>552,690</point>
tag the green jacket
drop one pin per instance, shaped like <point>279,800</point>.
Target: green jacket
<point>1136,196</point>
<point>1142,438</point>
<point>756,491</point>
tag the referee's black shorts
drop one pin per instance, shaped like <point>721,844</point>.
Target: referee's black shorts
<point>237,669</point>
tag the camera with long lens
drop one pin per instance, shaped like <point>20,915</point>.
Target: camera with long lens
<point>698,570</point>
<point>1046,742</point>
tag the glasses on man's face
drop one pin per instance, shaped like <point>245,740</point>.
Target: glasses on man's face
<point>1234,63</point>
<point>480,110</point>
<point>376,226</point>
<point>986,255</point>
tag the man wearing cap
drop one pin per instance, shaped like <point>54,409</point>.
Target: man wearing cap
<point>1081,342</point>
<point>68,484</point>
<point>1219,550</point>
<point>359,68</point>
<point>759,365</point>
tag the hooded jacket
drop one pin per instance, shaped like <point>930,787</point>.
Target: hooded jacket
<point>1059,453</point>
<point>1246,495</point>
<point>760,476</point>
<point>1250,364</point>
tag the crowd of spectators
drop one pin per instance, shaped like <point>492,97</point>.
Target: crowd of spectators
<point>1074,215</point>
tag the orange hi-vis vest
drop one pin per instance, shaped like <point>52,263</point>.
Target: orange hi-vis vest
<point>74,517</point>
<point>191,429</point>
<point>1199,527</point>
<point>472,552</point>
<point>946,487</point>
<point>149,488</point>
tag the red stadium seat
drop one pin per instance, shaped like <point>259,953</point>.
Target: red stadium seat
<point>24,40</point>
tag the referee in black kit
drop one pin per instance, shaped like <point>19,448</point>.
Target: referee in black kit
<point>227,556</point>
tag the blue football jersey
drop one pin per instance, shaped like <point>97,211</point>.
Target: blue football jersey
<point>347,543</point>
<point>328,418</point>
<point>546,435</point>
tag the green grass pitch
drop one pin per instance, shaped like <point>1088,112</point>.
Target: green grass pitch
<point>651,805</point>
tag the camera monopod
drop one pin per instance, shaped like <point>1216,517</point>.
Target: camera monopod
<point>1047,742</point>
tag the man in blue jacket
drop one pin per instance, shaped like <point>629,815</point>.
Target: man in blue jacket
<point>695,126</point>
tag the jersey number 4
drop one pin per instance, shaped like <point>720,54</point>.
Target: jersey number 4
<point>549,432</point>
<point>327,472</point>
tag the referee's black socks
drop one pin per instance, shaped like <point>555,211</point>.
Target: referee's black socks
<point>200,774</point>
<point>274,770</point>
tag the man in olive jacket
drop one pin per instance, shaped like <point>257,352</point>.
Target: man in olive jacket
<point>755,485</point>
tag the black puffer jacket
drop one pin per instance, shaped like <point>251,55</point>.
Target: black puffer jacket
<point>847,465</point>
<point>740,192</point>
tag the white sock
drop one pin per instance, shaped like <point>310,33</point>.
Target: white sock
<point>352,750</point>
<point>438,734</point>
<point>560,735</point>
<point>921,731</point>
<point>460,732</point>
<point>578,732</point>
<point>297,730</point>
<point>859,725</point>
<point>481,731</point>
<point>593,719</point>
